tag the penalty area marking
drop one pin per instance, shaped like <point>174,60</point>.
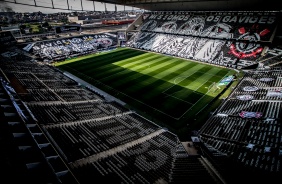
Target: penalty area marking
<point>175,82</point>
<point>182,77</point>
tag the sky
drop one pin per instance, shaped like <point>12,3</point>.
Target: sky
<point>73,4</point>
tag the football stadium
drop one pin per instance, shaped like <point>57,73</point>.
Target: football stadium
<point>180,92</point>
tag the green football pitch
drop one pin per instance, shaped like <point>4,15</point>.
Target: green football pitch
<point>154,83</point>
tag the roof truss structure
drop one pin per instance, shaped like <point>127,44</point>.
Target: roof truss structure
<point>170,5</point>
<point>199,5</point>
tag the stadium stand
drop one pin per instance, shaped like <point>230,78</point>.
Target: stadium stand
<point>60,49</point>
<point>213,37</point>
<point>64,133</point>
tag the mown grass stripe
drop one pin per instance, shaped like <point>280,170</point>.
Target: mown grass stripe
<point>107,71</point>
<point>105,59</point>
<point>85,58</point>
<point>131,60</point>
<point>117,70</point>
<point>201,79</point>
<point>152,82</point>
<point>114,58</point>
<point>166,68</point>
<point>188,82</point>
<point>136,58</point>
<point>132,75</point>
<point>193,84</point>
<point>145,76</point>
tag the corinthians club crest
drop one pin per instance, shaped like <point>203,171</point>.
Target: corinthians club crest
<point>247,46</point>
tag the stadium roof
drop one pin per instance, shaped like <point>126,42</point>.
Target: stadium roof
<point>199,5</point>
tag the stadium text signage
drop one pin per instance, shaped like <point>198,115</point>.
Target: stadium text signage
<point>263,19</point>
<point>242,19</point>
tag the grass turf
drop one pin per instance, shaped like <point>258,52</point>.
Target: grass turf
<point>167,88</point>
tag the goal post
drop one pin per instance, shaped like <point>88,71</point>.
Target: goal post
<point>211,86</point>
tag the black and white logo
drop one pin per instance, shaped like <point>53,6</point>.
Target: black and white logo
<point>250,88</point>
<point>266,79</point>
<point>245,97</point>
